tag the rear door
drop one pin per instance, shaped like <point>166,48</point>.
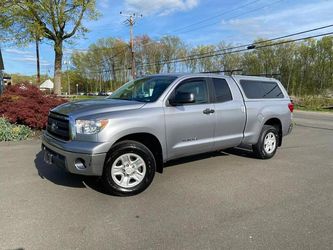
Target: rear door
<point>230,114</point>
<point>190,127</point>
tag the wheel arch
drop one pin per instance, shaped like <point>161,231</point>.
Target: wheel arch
<point>151,142</point>
<point>276,122</point>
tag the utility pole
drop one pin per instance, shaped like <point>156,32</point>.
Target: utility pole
<point>68,62</point>
<point>130,21</point>
<point>38,61</point>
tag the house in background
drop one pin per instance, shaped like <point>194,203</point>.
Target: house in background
<point>1,73</point>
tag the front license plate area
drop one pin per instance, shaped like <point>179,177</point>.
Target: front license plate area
<point>48,157</point>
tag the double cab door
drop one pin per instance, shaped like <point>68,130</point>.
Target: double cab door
<point>215,120</point>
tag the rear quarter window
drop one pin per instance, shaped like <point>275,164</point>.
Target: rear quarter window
<point>255,89</point>
<point>222,90</point>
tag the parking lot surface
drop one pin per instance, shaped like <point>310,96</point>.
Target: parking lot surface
<point>224,200</point>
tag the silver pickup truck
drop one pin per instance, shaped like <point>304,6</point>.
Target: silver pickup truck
<point>128,136</point>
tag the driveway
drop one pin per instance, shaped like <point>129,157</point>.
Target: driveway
<point>212,201</point>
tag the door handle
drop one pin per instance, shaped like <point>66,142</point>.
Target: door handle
<point>208,111</point>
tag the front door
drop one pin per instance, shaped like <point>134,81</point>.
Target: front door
<point>190,127</point>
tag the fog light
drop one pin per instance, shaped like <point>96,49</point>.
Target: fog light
<point>79,164</point>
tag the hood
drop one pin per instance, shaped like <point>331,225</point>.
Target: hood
<point>97,106</point>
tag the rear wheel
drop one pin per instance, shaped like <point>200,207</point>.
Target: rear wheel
<point>268,142</point>
<point>129,169</point>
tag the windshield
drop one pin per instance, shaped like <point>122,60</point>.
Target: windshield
<point>147,89</point>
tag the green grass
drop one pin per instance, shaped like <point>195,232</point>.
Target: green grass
<point>83,97</point>
<point>313,103</point>
<point>311,109</point>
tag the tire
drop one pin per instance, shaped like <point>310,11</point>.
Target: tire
<point>268,142</point>
<point>129,169</point>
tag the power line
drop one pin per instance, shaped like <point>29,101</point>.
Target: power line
<point>263,41</point>
<point>216,15</point>
<point>205,20</point>
<point>130,21</point>
<point>230,50</point>
<point>235,51</point>
<point>177,60</point>
<point>103,61</point>
<point>99,29</point>
<point>238,15</point>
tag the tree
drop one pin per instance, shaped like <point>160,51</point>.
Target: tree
<point>305,68</point>
<point>29,33</point>
<point>104,65</point>
<point>172,47</point>
<point>56,20</point>
<point>148,52</point>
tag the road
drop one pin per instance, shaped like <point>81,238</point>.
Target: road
<point>226,200</point>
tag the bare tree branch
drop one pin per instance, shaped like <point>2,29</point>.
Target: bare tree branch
<point>77,24</point>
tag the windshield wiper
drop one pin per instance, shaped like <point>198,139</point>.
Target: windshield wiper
<point>117,98</point>
<point>138,100</point>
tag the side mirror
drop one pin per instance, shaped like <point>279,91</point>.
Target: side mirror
<point>182,98</point>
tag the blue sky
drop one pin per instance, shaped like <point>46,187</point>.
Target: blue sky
<point>194,21</point>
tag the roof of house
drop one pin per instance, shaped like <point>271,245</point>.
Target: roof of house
<point>48,84</point>
<point>2,67</point>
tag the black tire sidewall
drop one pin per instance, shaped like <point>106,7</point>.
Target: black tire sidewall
<point>123,148</point>
<point>259,148</point>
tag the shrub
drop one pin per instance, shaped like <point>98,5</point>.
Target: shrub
<point>26,104</point>
<point>313,102</point>
<point>13,132</point>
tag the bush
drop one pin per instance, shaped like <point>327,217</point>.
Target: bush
<point>13,132</point>
<point>313,103</point>
<point>27,105</point>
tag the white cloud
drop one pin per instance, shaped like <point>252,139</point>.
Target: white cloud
<point>103,4</point>
<point>18,52</point>
<point>280,22</point>
<point>67,51</point>
<point>30,59</point>
<point>160,7</point>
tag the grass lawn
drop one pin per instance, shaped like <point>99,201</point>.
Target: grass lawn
<point>84,97</point>
<point>314,103</point>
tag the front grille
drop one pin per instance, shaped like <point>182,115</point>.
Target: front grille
<point>58,126</point>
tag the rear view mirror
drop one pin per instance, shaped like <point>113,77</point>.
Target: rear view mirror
<point>182,98</point>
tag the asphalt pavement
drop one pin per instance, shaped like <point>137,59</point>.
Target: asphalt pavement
<point>224,200</point>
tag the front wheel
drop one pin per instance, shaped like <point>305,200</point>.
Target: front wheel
<point>129,169</point>
<point>268,142</point>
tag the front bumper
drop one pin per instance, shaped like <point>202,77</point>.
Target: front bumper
<point>65,154</point>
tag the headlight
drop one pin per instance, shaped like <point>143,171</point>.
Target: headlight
<point>90,127</point>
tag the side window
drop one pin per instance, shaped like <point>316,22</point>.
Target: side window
<point>196,86</point>
<point>261,89</point>
<point>222,90</point>
<point>271,90</point>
